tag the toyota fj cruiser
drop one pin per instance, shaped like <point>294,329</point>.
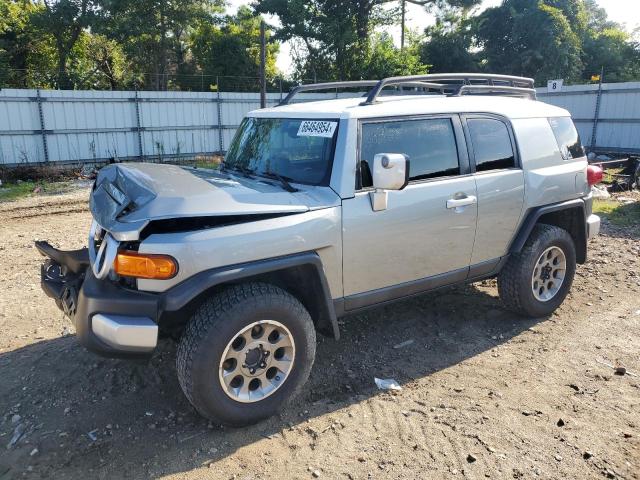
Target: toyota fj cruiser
<point>322,209</point>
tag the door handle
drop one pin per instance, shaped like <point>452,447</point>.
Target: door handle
<point>461,202</point>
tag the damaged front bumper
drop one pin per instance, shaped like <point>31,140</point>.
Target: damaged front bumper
<point>110,320</point>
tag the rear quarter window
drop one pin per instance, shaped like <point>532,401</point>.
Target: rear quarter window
<point>567,137</point>
<point>491,142</point>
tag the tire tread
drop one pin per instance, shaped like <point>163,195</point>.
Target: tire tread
<point>211,312</point>
<point>511,288</point>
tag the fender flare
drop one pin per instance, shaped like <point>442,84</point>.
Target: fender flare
<point>534,214</point>
<point>182,294</point>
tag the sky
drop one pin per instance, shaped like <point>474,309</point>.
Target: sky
<point>626,12</point>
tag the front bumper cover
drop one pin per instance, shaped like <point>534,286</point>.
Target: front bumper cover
<point>110,320</point>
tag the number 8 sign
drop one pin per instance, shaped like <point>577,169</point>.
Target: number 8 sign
<point>554,85</point>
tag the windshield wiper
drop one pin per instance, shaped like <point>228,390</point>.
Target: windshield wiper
<point>284,181</point>
<point>247,172</point>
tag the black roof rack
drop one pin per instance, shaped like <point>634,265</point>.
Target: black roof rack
<point>452,84</point>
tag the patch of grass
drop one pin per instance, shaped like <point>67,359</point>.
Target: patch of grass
<point>208,161</point>
<point>12,191</point>
<point>610,173</point>
<point>622,214</point>
<point>213,166</point>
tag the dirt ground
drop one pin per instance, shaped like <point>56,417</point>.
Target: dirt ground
<point>485,394</point>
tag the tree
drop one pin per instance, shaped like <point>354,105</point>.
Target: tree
<point>23,46</point>
<point>98,63</point>
<point>449,45</point>
<point>597,16</point>
<point>613,51</point>
<point>64,20</point>
<point>387,60</point>
<point>154,33</point>
<point>333,38</point>
<point>529,38</point>
<point>233,49</point>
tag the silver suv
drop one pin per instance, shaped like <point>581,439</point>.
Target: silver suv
<point>322,209</point>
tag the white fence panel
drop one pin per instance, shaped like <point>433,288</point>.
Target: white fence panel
<point>95,126</point>
<point>617,120</point>
<point>18,121</point>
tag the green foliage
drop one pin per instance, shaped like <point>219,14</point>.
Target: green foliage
<point>155,34</point>
<point>14,191</point>
<point>335,39</point>
<point>613,50</point>
<point>384,59</point>
<point>622,214</point>
<point>185,44</point>
<point>449,45</point>
<point>98,63</point>
<point>233,49</point>
<point>331,36</point>
<point>23,47</point>
<point>529,38</point>
<point>64,21</point>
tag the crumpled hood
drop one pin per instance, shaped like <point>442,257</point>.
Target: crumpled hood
<point>127,197</point>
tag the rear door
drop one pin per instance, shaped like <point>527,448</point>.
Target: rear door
<point>428,228</point>
<point>500,186</point>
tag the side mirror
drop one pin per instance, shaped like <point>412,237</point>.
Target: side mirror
<point>390,172</point>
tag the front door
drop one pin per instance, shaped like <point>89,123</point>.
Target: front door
<point>424,238</point>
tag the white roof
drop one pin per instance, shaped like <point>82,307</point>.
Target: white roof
<point>388,106</point>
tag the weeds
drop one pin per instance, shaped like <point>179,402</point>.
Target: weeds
<point>13,191</point>
<point>621,214</point>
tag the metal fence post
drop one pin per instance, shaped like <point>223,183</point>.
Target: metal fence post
<point>136,101</point>
<point>219,107</point>
<point>596,117</point>
<point>43,131</point>
<point>263,66</point>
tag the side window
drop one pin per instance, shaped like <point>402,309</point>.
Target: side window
<point>567,137</point>
<point>491,144</point>
<point>429,144</point>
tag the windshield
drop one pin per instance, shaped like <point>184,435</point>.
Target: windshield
<point>297,150</point>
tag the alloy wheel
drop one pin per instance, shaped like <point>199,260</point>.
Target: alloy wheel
<point>257,361</point>
<point>548,274</point>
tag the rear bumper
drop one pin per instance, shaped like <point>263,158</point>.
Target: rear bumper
<point>110,320</point>
<point>593,225</point>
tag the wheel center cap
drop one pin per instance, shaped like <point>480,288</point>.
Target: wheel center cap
<point>256,359</point>
<point>253,357</point>
<point>546,272</point>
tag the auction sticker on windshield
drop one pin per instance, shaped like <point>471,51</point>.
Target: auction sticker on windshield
<point>317,128</point>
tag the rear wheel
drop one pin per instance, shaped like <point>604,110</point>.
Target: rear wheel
<point>245,353</point>
<point>535,281</point>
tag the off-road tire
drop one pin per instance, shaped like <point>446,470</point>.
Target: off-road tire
<point>514,280</point>
<point>214,324</point>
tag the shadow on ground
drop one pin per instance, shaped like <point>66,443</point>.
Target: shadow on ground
<point>92,416</point>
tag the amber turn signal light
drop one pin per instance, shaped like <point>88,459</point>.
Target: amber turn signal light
<point>141,265</point>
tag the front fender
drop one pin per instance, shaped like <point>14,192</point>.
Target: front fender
<point>317,288</point>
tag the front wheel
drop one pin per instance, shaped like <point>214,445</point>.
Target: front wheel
<point>535,281</point>
<point>245,353</point>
